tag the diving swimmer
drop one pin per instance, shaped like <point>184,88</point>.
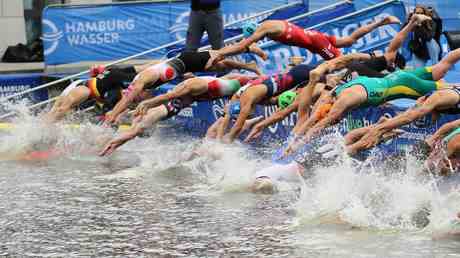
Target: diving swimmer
<point>290,34</point>
<point>160,73</point>
<point>199,89</point>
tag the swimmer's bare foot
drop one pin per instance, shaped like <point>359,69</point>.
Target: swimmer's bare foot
<point>254,48</point>
<point>263,185</point>
<point>391,20</point>
<point>252,66</point>
<point>250,122</point>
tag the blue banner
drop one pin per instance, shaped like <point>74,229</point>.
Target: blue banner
<point>14,83</point>
<point>110,32</point>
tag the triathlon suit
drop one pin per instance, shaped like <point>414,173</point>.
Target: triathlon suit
<point>451,135</point>
<point>401,84</point>
<point>106,87</point>
<point>276,84</point>
<point>314,41</point>
<point>217,88</point>
<point>171,69</point>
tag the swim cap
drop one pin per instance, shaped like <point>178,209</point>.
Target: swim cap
<point>234,109</point>
<point>286,99</point>
<point>249,28</point>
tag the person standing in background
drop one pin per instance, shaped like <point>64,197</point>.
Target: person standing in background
<point>205,16</point>
<point>425,40</point>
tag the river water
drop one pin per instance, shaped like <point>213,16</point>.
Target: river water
<point>141,203</point>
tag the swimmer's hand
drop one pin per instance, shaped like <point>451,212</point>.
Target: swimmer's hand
<point>214,58</point>
<point>254,48</point>
<point>256,132</point>
<point>227,139</point>
<point>142,108</point>
<point>371,138</point>
<point>112,146</point>
<point>95,70</point>
<point>432,140</point>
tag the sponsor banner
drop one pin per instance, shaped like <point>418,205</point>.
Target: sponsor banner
<point>109,32</point>
<point>15,83</point>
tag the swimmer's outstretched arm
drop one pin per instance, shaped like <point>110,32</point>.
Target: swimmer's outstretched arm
<point>306,95</point>
<point>182,89</point>
<point>153,116</point>
<point>229,64</point>
<point>225,120</point>
<point>245,111</point>
<point>138,84</point>
<point>400,37</point>
<point>246,44</point>
<point>279,115</point>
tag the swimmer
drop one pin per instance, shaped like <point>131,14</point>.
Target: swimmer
<point>206,87</point>
<point>105,86</point>
<point>158,74</point>
<point>371,67</point>
<point>198,88</point>
<point>446,100</point>
<point>264,90</point>
<point>290,34</point>
<point>265,179</point>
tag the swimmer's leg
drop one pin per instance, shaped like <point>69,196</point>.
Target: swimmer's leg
<point>229,64</point>
<point>361,31</point>
<point>440,69</point>
<point>65,103</point>
<point>266,178</point>
<point>190,87</point>
<point>153,116</point>
<point>249,123</point>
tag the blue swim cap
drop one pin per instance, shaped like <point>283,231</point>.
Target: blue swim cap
<point>249,28</point>
<point>234,109</point>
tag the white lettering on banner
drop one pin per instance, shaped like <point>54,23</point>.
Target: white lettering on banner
<point>93,39</point>
<point>269,110</point>
<point>100,26</point>
<point>97,32</point>
<point>8,90</point>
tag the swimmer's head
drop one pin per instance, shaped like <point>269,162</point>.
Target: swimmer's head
<point>286,99</point>
<point>249,28</point>
<point>234,109</point>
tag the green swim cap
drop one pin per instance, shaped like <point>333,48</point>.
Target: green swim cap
<point>286,99</point>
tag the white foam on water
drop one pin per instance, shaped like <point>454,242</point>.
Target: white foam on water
<point>374,199</point>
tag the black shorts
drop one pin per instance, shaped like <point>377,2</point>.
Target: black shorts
<point>175,106</point>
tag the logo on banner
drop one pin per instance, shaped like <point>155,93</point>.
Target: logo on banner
<point>181,25</point>
<point>218,108</point>
<point>51,34</point>
<point>269,110</point>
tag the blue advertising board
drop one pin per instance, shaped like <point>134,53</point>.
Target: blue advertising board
<point>15,83</point>
<point>110,32</point>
